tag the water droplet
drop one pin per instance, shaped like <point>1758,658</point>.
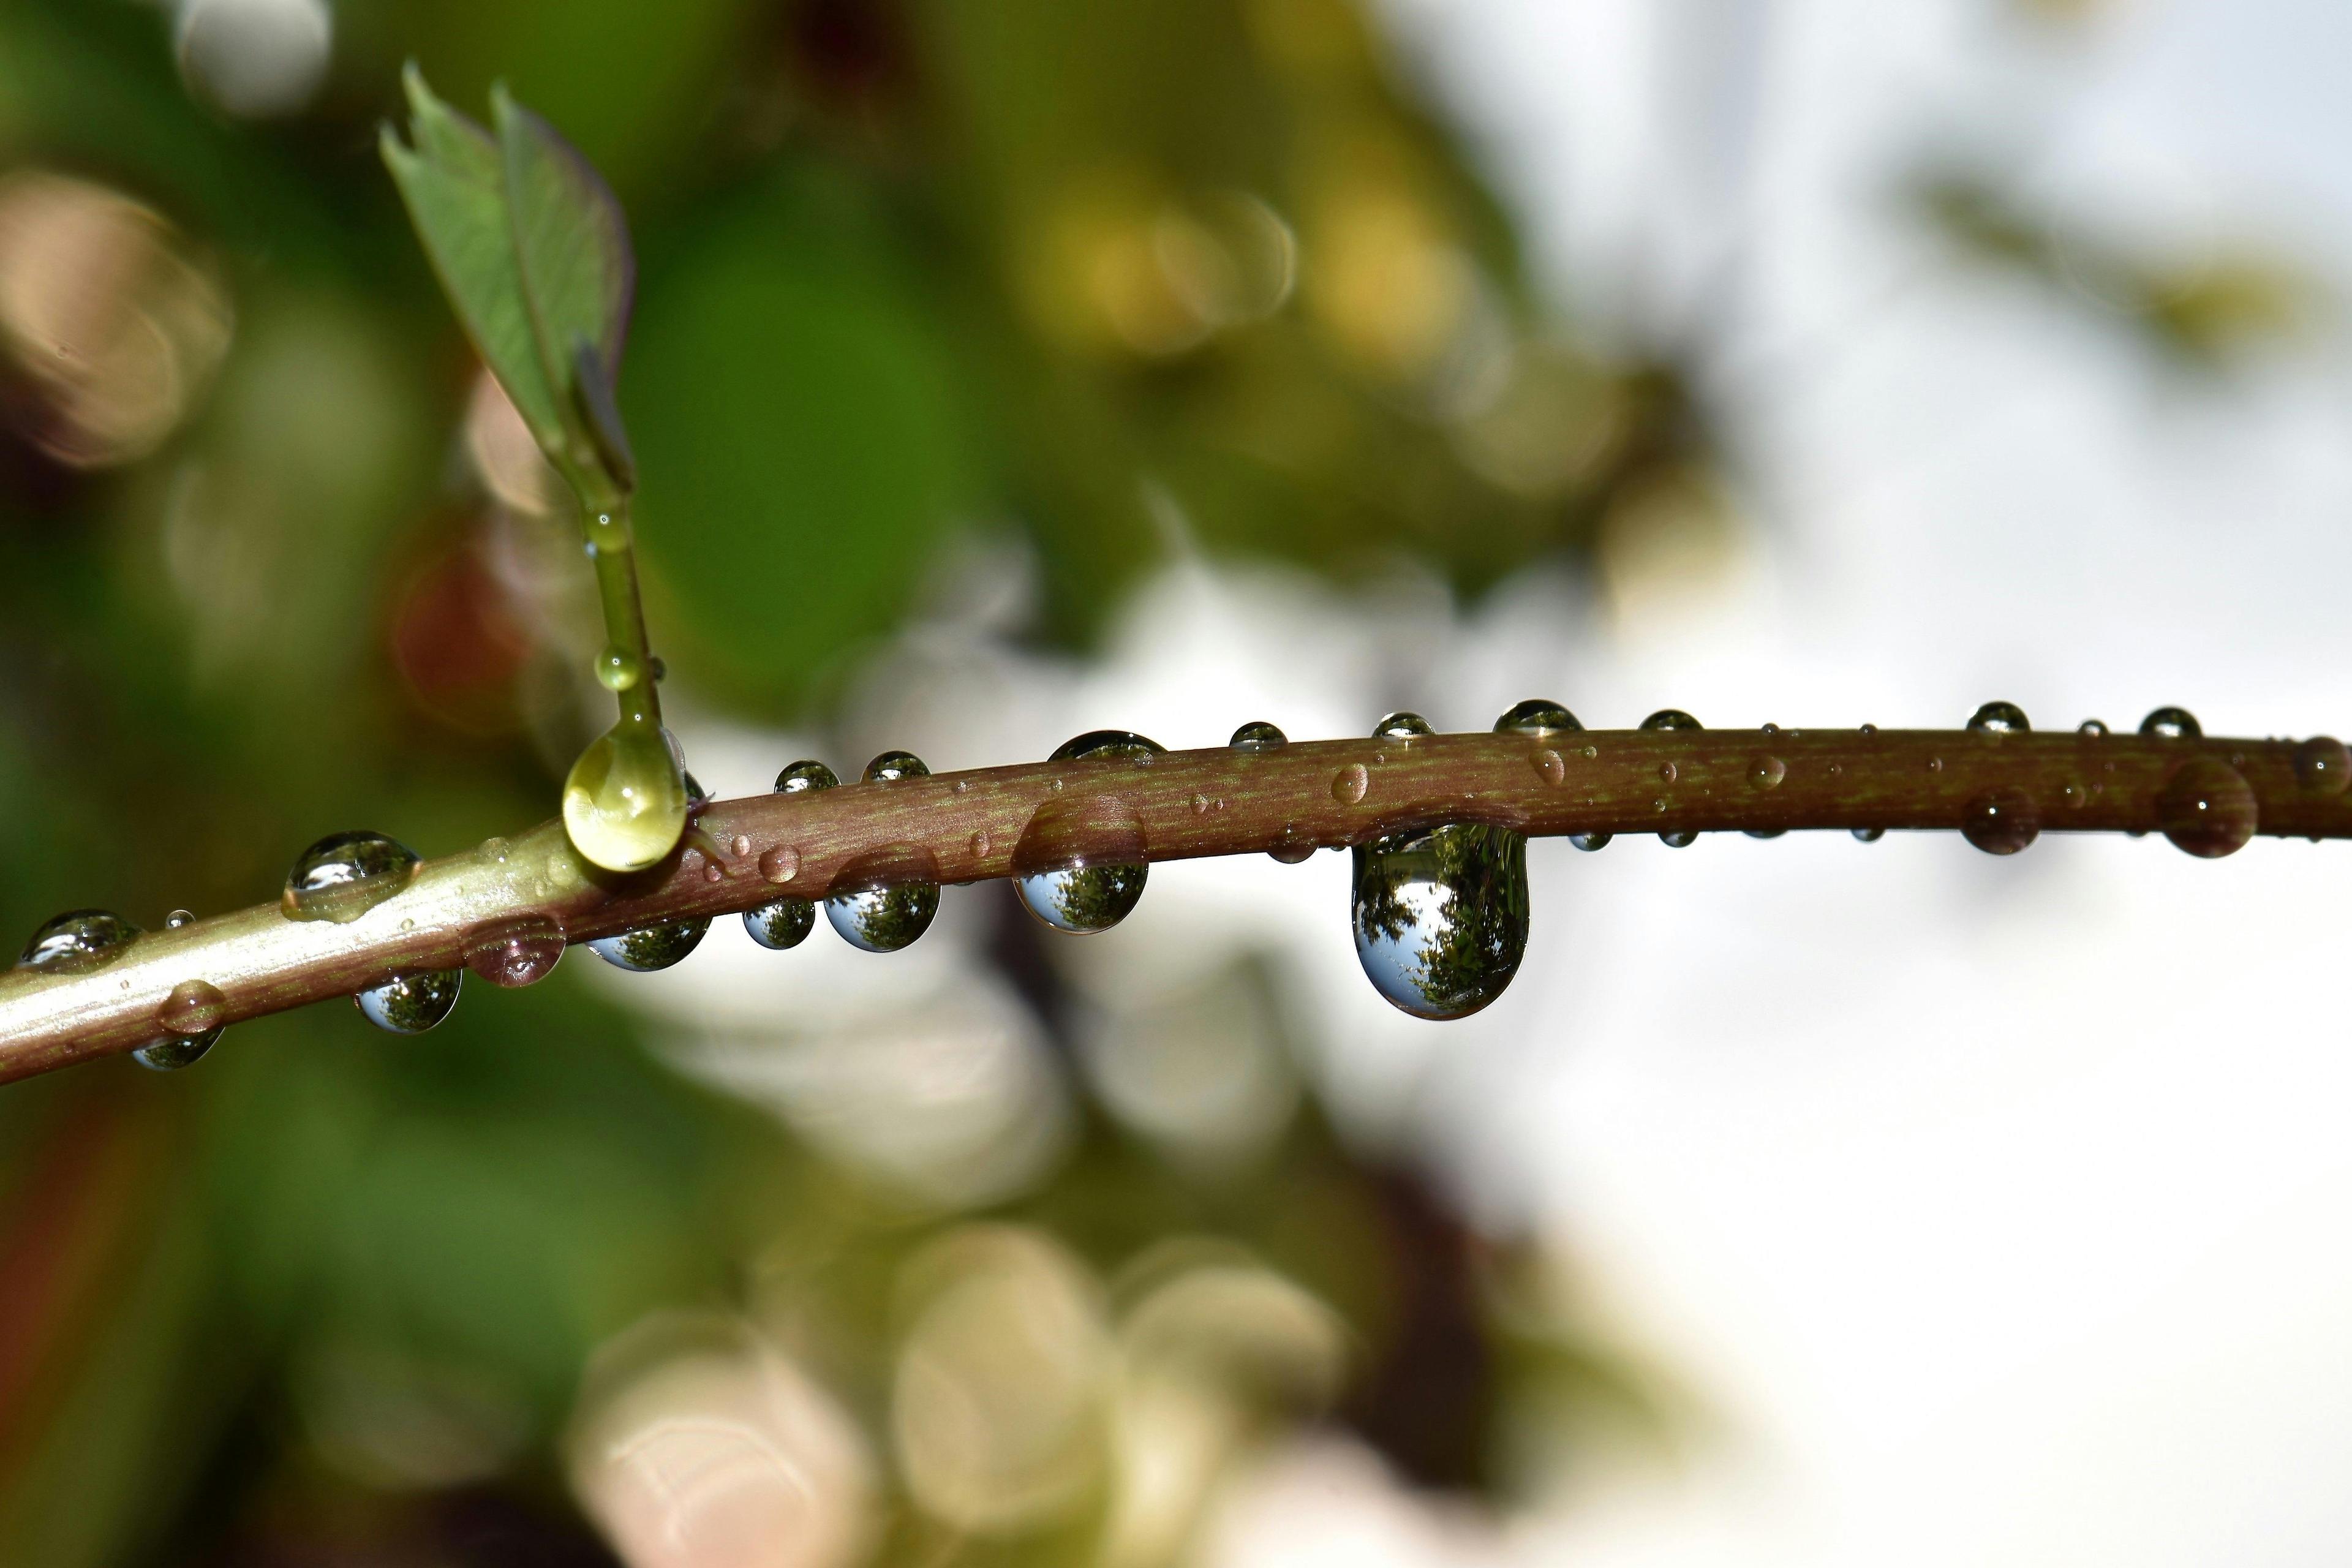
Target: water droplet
<point>1870,729</point>
<point>654,667</point>
<point>781,924</point>
<point>177,918</point>
<point>1765,773</point>
<point>2002,821</point>
<point>780,864</point>
<point>2207,808</point>
<point>1547,765</point>
<point>1293,847</point>
<point>1934,764</point>
<point>1535,716</point>
<point>1401,725</point>
<point>1441,916</point>
<point>892,767</point>
<point>1764,832</point>
<point>1999,719</point>
<point>1590,841</point>
<point>344,875</point>
<point>2323,765</point>
<point>884,900</point>
<point>1200,805</point>
<point>193,1018</point>
<point>1080,865</point>
<point>411,1004</point>
<point>618,670</point>
<point>1348,785</point>
<point>625,800</point>
<point>2072,793</point>
<point>1869,834</point>
<point>493,849</point>
<point>1108,745</point>
<point>1680,838</point>
<point>2172,724</point>
<point>649,948</point>
<point>521,951</point>
<point>1671,718</point>
<point>1591,751</point>
<point>1771,729</point>
<point>77,941</point>
<point>1257,735</point>
<point>803,777</point>
<point>2092,727</point>
<point>741,845</point>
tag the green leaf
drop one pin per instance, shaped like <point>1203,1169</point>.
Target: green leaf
<point>572,248</point>
<point>534,251</point>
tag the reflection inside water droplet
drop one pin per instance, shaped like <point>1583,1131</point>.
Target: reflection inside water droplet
<point>1401,725</point>
<point>193,1018</point>
<point>2000,718</point>
<point>344,875</point>
<point>1869,834</point>
<point>1441,916</point>
<point>2092,727</point>
<point>1671,718</point>
<point>1590,841</point>
<point>894,767</point>
<point>411,1004</point>
<point>1080,865</point>
<point>2172,724</point>
<point>883,902</point>
<point>77,941</point>
<point>522,951</point>
<point>1680,838</point>
<point>1535,716</point>
<point>649,948</point>
<point>781,924</point>
<point>626,799</point>
<point>1257,735</point>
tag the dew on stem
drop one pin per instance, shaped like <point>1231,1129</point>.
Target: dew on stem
<point>652,947</point>
<point>2323,765</point>
<point>77,941</point>
<point>1441,916</point>
<point>2172,724</point>
<point>1401,726</point>
<point>410,1004</point>
<point>2207,808</point>
<point>625,803</point>
<point>1535,716</point>
<point>1671,718</point>
<point>1079,865</point>
<point>783,923</point>
<point>1257,735</point>
<point>2000,821</point>
<point>886,900</point>
<point>344,875</point>
<point>2000,718</point>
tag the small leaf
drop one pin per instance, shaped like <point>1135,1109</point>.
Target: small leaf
<point>572,246</point>
<point>456,194</point>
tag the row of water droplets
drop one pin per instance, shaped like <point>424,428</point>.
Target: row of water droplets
<point>1440,915</point>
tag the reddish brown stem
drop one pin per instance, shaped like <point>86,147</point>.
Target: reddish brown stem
<point>963,827</point>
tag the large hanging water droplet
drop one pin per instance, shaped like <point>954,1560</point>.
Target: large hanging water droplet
<point>1401,726</point>
<point>1257,735</point>
<point>521,951</point>
<point>345,874</point>
<point>2002,821</point>
<point>2207,808</point>
<point>411,1004</point>
<point>1671,718</point>
<point>2000,718</point>
<point>77,942</point>
<point>884,900</point>
<point>781,924</point>
<point>884,919</point>
<point>1080,865</point>
<point>2323,765</point>
<point>193,1018</point>
<point>1535,716</point>
<point>2172,724</point>
<point>649,948</point>
<point>1441,916</point>
<point>625,803</point>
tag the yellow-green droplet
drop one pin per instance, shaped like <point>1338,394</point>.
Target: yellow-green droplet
<point>625,804</point>
<point>618,669</point>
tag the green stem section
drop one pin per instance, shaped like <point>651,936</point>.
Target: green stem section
<point>613,549</point>
<point>2208,795</point>
<point>624,802</point>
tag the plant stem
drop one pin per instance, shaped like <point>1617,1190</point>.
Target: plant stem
<point>963,827</point>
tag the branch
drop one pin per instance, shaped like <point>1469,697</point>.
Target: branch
<point>506,908</point>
